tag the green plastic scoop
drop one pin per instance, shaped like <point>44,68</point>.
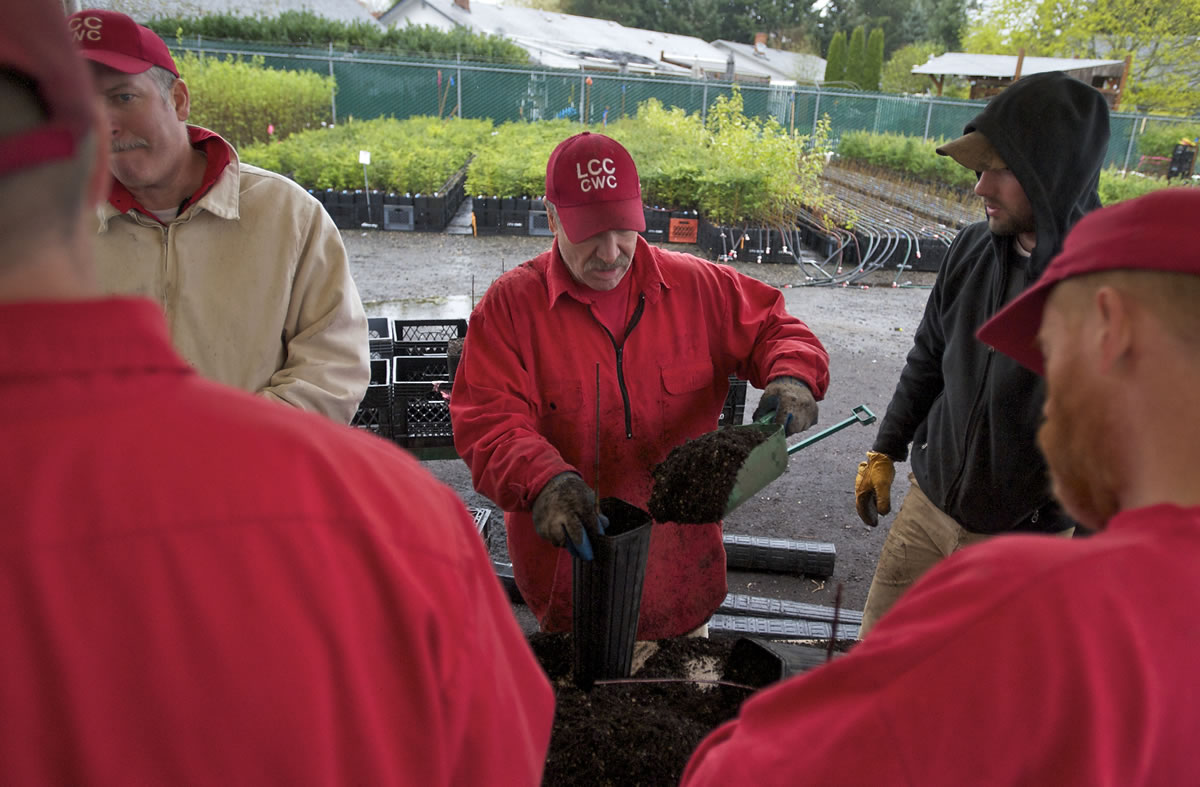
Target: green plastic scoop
<point>768,459</point>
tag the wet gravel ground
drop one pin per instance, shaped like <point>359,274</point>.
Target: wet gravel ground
<point>867,330</point>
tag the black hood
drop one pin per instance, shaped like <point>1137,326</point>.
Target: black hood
<point>1052,131</point>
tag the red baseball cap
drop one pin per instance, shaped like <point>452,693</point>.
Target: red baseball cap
<point>1155,232</point>
<point>35,46</point>
<point>115,40</point>
<point>593,183</point>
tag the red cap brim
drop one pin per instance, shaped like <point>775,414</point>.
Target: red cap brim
<point>126,64</point>
<point>584,221</point>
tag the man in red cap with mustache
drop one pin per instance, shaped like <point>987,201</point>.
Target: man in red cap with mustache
<point>1026,659</point>
<point>198,586</point>
<point>248,267</point>
<point>665,330</point>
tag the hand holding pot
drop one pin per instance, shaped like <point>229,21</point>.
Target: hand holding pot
<point>563,511</point>
<point>793,403</point>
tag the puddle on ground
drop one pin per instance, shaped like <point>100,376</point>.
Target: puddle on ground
<point>440,307</point>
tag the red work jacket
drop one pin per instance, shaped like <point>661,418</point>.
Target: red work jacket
<point>524,408</point>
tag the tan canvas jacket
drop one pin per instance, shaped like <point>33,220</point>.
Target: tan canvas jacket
<point>256,287</point>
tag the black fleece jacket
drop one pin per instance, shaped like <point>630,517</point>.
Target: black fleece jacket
<point>972,414</point>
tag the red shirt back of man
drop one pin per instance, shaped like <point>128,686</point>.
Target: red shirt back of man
<point>201,587</point>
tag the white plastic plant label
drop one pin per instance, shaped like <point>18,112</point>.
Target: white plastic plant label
<point>364,157</point>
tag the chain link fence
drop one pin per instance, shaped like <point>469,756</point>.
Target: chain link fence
<point>373,85</point>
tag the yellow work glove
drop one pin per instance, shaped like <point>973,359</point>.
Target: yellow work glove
<point>873,487</point>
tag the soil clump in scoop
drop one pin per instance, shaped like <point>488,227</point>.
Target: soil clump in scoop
<point>692,485</point>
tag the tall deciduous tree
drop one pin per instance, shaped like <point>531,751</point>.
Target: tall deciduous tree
<point>856,57</point>
<point>873,66</point>
<point>1161,35</point>
<point>835,59</point>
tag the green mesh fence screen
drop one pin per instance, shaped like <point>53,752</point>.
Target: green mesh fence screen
<point>373,85</point>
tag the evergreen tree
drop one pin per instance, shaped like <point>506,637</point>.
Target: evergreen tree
<point>856,57</point>
<point>835,59</point>
<point>874,62</point>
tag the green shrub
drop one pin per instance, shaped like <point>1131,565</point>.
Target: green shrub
<point>239,98</point>
<point>1115,187</point>
<point>916,158</point>
<point>911,156</point>
<point>305,27</point>
<point>730,167</point>
<point>1160,138</point>
<point>415,155</point>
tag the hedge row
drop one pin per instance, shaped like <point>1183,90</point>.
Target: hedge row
<point>728,167</point>
<point>305,27</point>
<point>246,102</point>
<point>415,155</point>
<point>917,158</point>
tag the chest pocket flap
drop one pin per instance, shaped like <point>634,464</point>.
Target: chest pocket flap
<point>561,396</point>
<point>688,377</point>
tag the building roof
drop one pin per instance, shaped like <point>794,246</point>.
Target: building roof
<point>145,10</point>
<point>568,41</point>
<point>1005,66</point>
<point>782,65</point>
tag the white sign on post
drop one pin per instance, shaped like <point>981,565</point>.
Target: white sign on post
<point>364,157</point>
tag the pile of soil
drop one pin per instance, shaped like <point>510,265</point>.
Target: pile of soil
<point>635,732</point>
<point>693,483</point>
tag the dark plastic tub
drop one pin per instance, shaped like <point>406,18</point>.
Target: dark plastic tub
<point>757,662</point>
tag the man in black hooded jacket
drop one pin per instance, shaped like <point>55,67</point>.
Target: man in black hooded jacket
<point>970,414</point>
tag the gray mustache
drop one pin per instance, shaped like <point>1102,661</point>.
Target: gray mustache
<point>132,144</point>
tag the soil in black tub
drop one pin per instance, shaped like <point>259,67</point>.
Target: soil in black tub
<point>693,483</point>
<point>636,733</point>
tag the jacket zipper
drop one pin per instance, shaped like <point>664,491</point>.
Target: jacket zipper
<point>973,418</point>
<point>620,351</point>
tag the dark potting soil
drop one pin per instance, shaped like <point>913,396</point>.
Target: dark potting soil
<point>635,733</point>
<point>693,483</point>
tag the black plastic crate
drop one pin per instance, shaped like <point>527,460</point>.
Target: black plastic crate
<point>340,207</point>
<point>514,222</point>
<point>379,389</point>
<point>420,368</point>
<point>425,337</point>
<point>377,420</point>
<point>539,223</point>
<point>486,215</point>
<point>734,410</point>
<point>379,337</point>
<point>421,415</point>
<point>657,223</point>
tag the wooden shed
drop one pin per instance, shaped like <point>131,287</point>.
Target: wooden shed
<point>989,74</point>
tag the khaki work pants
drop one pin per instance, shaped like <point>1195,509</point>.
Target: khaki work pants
<point>921,536</point>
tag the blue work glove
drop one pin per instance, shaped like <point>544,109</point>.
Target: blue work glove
<point>584,550</point>
<point>563,511</point>
<point>793,403</point>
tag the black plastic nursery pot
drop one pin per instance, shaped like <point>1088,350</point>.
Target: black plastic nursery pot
<point>608,594</point>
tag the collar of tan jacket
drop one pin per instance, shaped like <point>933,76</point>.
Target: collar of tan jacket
<point>220,199</point>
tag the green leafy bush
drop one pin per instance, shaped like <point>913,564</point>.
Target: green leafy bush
<point>240,98</point>
<point>1160,138</point>
<point>415,155</point>
<point>916,158</point>
<point>731,168</point>
<point>1115,187</point>
<point>305,27</point>
<point>511,162</point>
<point>909,155</point>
